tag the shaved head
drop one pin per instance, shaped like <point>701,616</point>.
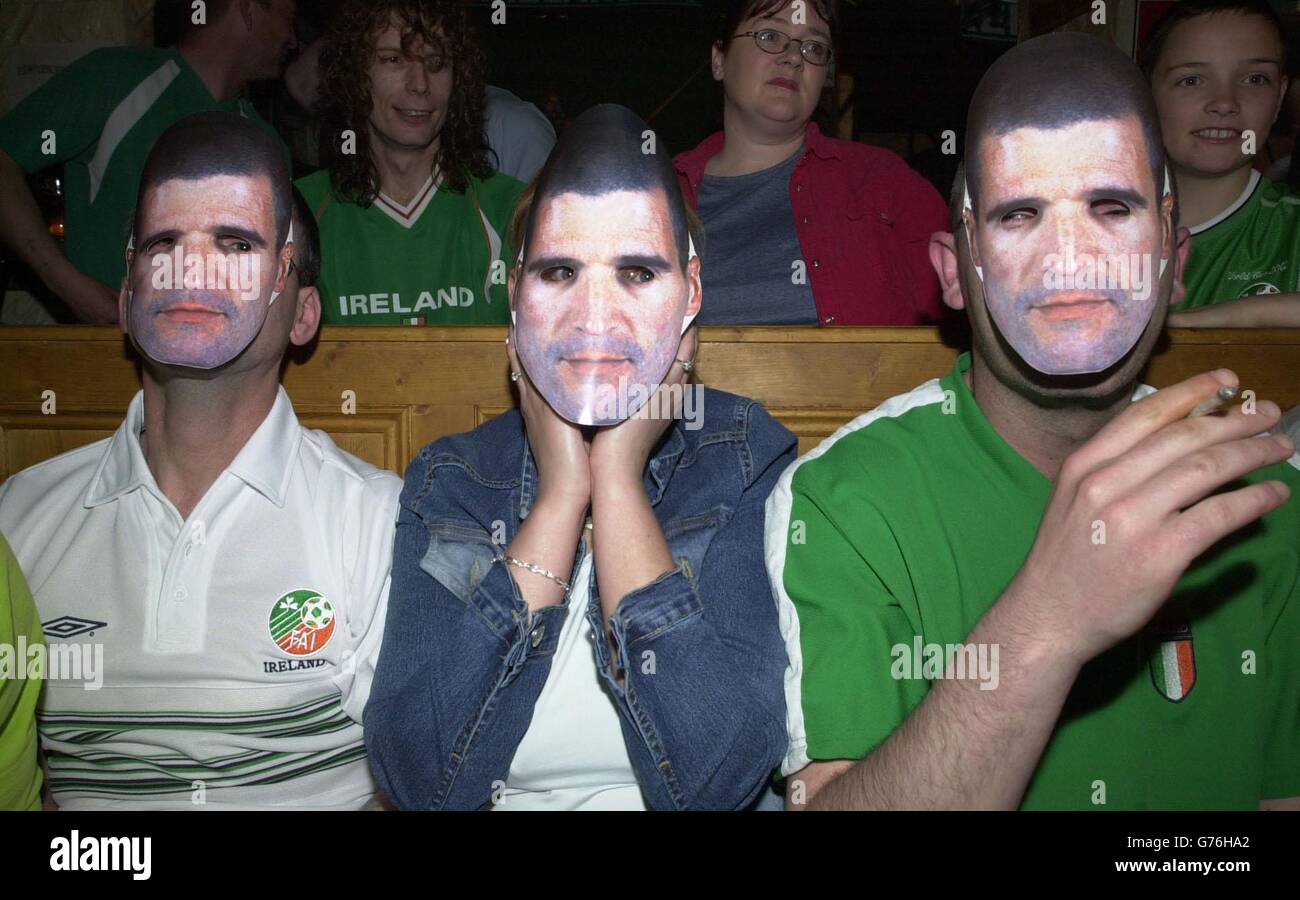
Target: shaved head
<point>209,144</point>
<point>1055,81</point>
<point>603,151</point>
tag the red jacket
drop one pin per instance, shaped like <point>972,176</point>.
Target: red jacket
<point>864,220</point>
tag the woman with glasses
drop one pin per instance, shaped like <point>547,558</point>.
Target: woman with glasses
<point>802,228</point>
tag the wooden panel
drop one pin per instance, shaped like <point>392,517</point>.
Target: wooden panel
<point>380,435</point>
<point>412,385</point>
<point>27,438</point>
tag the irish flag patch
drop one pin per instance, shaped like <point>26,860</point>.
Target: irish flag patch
<point>1173,662</point>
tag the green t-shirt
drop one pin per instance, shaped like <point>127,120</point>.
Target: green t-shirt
<point>20,774</point>
<point>438,260</point>
<point>100,116</point>
<point>909,522</point>
<point>1252,247</point>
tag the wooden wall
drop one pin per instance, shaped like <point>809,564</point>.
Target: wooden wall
<point>415,384</point>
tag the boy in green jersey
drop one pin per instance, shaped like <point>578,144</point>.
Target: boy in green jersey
<point>1035,582</point>
<point>1218,72</point>
<point>412,217</point>
<point>100,116</point>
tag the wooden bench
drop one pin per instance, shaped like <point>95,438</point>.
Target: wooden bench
<point>411,385</point>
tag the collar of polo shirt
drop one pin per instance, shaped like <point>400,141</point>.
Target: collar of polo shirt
<point>265,463</point>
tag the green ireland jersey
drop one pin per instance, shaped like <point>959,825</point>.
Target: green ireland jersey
<point>440,259</point>
<point>887,543</point>
<point>100,116</point>
<point>20,686</point>
<point>1252,247</point>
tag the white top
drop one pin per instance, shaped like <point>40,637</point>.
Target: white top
<point>573,755</point>
<point>518,132</point>
<point>238,646</point>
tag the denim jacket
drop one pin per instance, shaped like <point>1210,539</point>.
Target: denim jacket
<point>462,661</point>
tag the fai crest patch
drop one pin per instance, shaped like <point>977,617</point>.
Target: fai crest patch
<point>1173,660</point>
<point>302,622</point>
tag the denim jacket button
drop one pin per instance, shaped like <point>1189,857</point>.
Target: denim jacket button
<point>538,632</point>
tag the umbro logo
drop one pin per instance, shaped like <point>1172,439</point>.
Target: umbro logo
<point>70,626</point>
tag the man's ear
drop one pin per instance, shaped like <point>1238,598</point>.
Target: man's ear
<point>947,265</point>
<point>306,317</point>
<point>122,304</point>
<point>282,270</point>
<point>717,60</point>
<point>695,297</point>
<point>1183,246</point>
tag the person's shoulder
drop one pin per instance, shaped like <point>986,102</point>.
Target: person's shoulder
<point>868,157</point>
<point>700,153</point>
<point>882,441</point>
<point>1278,196</point>
<point>341,470</point>
<point>121,70</point>
<point>126,60</point>
<point>498,184</point>
<point>724,413</point>
<point>107,73</point>
<point>500,102</point>
<point>877,167</point>
<point>492,452</point>
<point>314,187</point>
<point>713,418</point>
<point>47,491</point>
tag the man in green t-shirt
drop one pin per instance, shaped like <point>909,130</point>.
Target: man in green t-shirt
<point>20,630</point>
<point>1218,73</point>
<point>412,217</point>
<point>1014,586</point>
<point>99,117</point>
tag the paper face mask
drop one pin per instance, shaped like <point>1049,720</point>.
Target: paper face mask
<point>601,299</point>
<point>1082,311</point>
<point>198,323</point>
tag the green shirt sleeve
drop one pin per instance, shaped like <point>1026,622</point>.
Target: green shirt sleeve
<point>66,114</point>
<point>1280,660</point>
<point>20,773</point>
<point>847,582</point>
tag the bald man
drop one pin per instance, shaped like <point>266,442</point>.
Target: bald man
<point>1034,582</point>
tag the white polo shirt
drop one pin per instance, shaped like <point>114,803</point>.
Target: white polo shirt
<point>238,646</point>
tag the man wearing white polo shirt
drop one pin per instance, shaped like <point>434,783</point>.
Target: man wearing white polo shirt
<point>232,564</point>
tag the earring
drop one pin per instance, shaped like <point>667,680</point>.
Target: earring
<point>514,376</point>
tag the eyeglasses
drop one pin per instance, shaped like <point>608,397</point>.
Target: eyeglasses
<point>769,40</point>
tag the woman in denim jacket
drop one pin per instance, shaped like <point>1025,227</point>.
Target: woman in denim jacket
<point>580,617</point>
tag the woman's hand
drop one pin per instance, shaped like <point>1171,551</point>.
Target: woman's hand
<point>630,548</point>
<point>621,451</point>
<point>559,448</point>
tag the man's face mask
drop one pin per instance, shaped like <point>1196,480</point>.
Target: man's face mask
<point>601,307</point>
<point>200,299</point>
<point>1069,251</point>
<point>601,300</point>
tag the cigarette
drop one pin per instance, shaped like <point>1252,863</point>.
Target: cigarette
<point>1225,394</point>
